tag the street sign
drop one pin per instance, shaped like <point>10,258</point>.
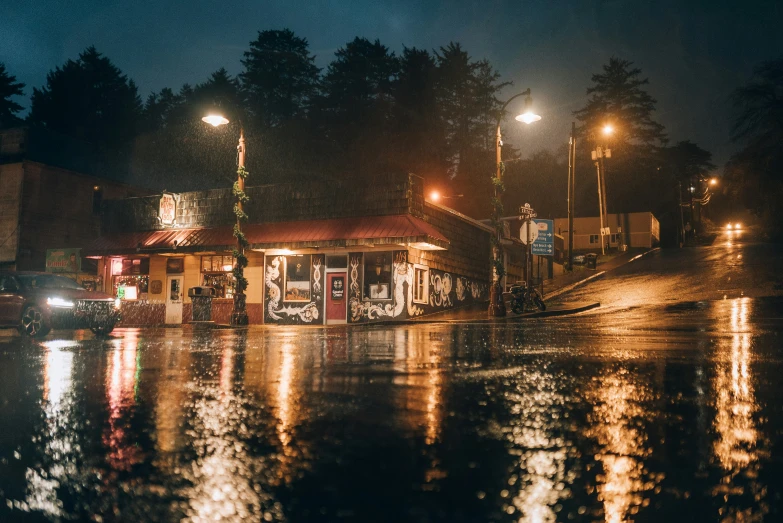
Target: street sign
<point>528,235</point>
<point>544,244</point>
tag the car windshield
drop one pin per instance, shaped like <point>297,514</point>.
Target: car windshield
<point>47,281</point>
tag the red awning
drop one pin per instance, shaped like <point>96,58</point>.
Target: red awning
<point>401,229</point>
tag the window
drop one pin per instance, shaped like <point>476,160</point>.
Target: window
<point>613,238</point>
<point>593,238</point>
<point>216,273</point>
<point>337,261</point>
<point>421,280</point>
<point>297,277</point>
<point>130,277</point>
<point>378,275</point>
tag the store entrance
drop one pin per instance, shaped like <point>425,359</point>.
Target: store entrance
<point>174,300</point>
<point>336,302</point>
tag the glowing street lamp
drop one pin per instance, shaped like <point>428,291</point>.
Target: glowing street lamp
<point>608,130</point>
<point>528,116</point>
<point>239,313</point>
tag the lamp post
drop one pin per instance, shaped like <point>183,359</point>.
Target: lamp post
<point>598,154</point>
<point>496,305</point>
<point>239,312</point>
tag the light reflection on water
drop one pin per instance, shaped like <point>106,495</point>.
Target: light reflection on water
<point>739,445</point>
<point>242,421</point>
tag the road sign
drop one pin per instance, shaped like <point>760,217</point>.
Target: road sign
<point>528,235</point>
<point>544,244</point>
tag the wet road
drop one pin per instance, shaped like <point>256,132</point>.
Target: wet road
<point>651,409</point>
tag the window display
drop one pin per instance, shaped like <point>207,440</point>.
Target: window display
<point>130,278</point>
<point>378,275</point>
<point>297,277</point>
<point>216,272</point>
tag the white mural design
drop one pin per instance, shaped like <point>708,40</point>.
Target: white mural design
<point>440,289</point>
<point>316,275</point>
<point>306,313</point>
<point>403,273</point>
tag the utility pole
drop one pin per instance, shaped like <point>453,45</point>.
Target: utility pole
<point>604,237</point>
<point>571,194</point>
<point>596,155</point>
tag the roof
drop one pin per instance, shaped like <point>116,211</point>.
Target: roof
<point>339,232</point>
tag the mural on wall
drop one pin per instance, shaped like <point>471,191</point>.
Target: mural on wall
<point>403,273</point>
<point>306,313</point>
<point>440,289</point>
<point>462,285</point>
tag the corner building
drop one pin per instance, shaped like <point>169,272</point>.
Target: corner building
<point>320,253</point>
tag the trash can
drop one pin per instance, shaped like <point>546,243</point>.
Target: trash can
<point>591,260</point>
<point>201,297</point>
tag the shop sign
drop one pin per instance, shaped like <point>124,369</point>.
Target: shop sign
<point>338,287</point>
<point>167,209</point>
<point>63,260</point>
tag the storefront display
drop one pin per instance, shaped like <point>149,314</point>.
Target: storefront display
<point>130,278</point>
<point>377,275</point>
<point>297,281</point>
<point>216,272</point>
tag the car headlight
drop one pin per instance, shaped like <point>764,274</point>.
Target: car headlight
<point>117,303</point>
<point>738,226</point>
<point>729,226</point>
<point>59,302</point>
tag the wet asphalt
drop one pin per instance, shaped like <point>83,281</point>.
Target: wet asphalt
<point>661,405</point>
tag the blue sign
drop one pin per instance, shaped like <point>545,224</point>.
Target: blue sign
<point>545,243</point>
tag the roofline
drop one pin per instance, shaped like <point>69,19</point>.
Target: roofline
<point>459,215</point>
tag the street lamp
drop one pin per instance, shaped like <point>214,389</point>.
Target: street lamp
<point>436,196</point>
<point>598,154</point>
<point>496,305</point>
<point>239,313</point>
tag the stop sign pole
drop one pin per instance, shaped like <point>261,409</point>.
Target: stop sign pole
<point>527,214</point>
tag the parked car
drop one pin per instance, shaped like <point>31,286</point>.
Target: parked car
<point>36,302</point>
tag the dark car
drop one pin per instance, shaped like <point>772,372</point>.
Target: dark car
<point>36,302</point>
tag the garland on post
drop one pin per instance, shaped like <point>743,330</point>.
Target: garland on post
<point>497,224</point>
<point>239,256</point>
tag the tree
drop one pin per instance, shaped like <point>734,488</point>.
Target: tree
<point>418,131</point>
<point>688,162</point>
<point>354,108</point>
<point>8,108</point>
<point>279,78</point>
<point>467,99</point>
<point>618,97</point>
<point>90,99</point>
<point>755,172</point>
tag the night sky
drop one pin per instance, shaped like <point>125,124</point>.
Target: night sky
<point>694,52</point>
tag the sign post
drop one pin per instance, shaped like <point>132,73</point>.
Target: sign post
<point>528,234</point>
<point>544,243</point>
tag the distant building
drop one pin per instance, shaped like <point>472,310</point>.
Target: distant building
<point>635,229</point>
<point>44,202</point>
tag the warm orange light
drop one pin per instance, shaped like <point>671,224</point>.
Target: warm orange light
<point>729,226</point>
<point>435,196</point>
<point>608,129</point>
<point>714,181</point>
<point>737,226</point>
<point>215,120</point>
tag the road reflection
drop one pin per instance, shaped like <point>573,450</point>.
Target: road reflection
<point>739,445</point>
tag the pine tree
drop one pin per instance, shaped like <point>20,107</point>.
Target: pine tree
<point>279,78</point>
<point>8,108</point>
<point>90,99</point>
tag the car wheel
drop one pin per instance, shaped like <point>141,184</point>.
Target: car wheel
<point>33,323</point>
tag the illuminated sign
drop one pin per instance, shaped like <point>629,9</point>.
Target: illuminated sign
<point>167,209</point>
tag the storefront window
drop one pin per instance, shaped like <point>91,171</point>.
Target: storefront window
<point>378,275</point>
<point>297,277</point>
<point>216,272</point>
<point>130,278</point>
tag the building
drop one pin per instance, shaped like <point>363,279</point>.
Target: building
<point>636,229</point>
<point>45,205</point>
<point>319,253</point>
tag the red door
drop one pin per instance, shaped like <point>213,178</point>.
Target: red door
<point>336,297</point>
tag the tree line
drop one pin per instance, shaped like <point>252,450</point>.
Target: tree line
<point>372,111</point>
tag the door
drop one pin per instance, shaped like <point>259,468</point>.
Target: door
<point>336,297</point>
<point>11,301</point>
<point>174,300</point>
